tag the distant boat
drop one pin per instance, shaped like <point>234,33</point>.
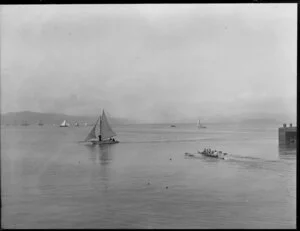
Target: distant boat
<point>64,124</point>
<point>214,154</point>
<point>85,124</point>
<point>76,124</point>
<point>40,123</point>
<point>199,125</point>
<point>105,131</point>
<point>24,123</point>
<point>173,125</point>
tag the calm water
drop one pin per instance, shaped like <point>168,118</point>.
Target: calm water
<point>49,180</point>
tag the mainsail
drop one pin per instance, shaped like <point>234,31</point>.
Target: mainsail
<point>105,129</point>
<point>92,134</point>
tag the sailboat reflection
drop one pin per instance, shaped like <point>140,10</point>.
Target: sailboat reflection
<point>102,153</point>
<point>92,153</point>
<point>100,176</point>
<point>105,156</point>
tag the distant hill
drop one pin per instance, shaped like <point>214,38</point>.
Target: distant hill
<point>51,118</point>
<point>260,121</point>
<point>275,119</point>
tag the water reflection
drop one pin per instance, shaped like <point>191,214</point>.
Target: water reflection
<point>92,152</point>
<point>287,151</point>
<point>105,156</point>
<point>100,153</point>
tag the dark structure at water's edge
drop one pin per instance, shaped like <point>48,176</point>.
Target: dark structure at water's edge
<point>287,135</point>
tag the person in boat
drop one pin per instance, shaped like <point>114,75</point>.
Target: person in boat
<point>99,137</point>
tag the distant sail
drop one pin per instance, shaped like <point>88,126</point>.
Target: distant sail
<point>105,129</point>
<point>92,134</point>
<point>64,124</point>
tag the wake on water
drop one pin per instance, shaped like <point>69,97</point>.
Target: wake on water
<point>232,157</point>
<point>229,157</point>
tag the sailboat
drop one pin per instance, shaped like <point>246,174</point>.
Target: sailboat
<point>64,124</point>
<point>199,125</point>
<point>76,124</point>
<point>40,123</point>
<point>105,134</point>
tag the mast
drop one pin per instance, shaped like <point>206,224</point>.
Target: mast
<point>100,118</point>
<point>199,124</point>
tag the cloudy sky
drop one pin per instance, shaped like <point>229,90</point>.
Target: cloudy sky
<point>149,62</point>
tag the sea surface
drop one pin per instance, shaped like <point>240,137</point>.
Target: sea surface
<point>50,180</point>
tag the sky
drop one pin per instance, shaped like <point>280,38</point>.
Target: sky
<point>163,62</point>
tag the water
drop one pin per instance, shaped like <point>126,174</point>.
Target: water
<point>49,180</point>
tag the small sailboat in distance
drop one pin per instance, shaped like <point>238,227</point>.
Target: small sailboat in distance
<point>105,132</point>
<point>76,124</point>
<point>40,123</point>
<point>199,125</point>
<point>64,124</point>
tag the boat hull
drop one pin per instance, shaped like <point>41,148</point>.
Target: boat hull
<point>222,156</point>
<point>104,142</point>
<point>211,156</point>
